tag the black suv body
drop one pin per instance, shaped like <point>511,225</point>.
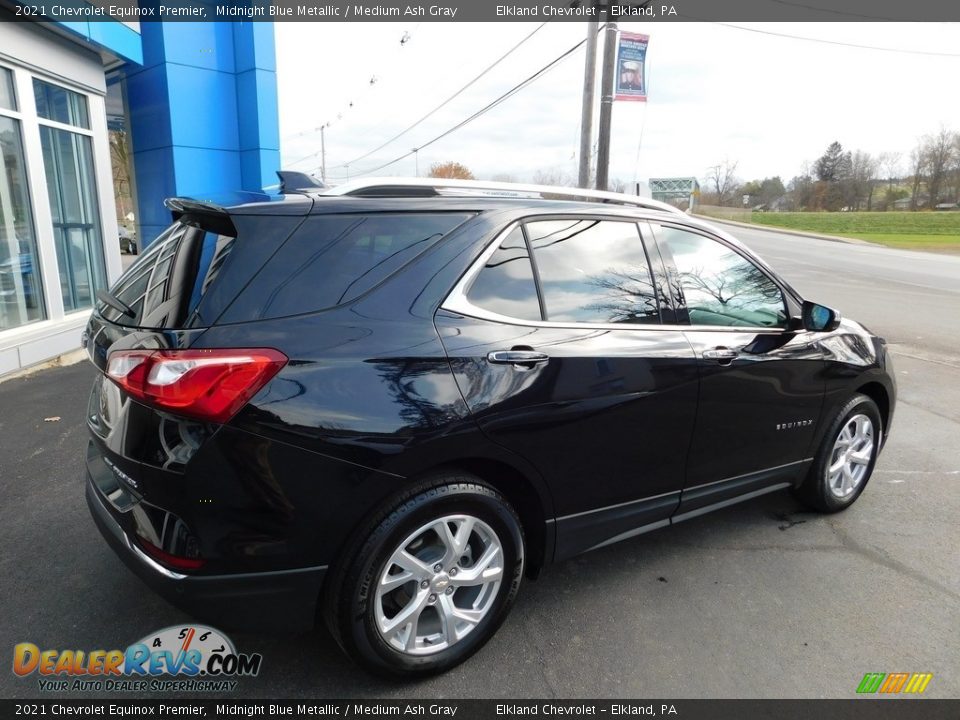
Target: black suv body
<point>391,404</point>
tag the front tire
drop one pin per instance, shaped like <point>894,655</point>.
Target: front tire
<point>431,582</point>
<point>846,457</point>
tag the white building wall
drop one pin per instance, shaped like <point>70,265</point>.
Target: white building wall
<point>30,51</point>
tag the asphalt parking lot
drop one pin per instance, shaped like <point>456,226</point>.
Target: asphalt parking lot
<point>758,600</point>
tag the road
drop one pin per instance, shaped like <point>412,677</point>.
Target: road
<point>758,600</point>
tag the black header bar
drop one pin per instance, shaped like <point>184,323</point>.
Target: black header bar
<point>483,10</point>
<point>854,709</point>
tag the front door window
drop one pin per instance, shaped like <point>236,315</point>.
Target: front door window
<point>720,286</point>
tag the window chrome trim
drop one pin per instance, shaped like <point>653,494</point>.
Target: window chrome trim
<point>457,302</point>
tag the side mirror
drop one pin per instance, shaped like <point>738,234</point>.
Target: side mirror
<point>819,318</point>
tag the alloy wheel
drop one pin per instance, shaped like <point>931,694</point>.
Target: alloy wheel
<point>851,456</point>
<point>439,584</point>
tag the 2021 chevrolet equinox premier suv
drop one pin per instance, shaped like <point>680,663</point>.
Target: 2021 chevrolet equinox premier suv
<point>387,403</point>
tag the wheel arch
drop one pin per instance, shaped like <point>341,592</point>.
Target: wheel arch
<point>522,493</point>
<point>879,394</point>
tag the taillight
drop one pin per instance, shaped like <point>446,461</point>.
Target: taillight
<point>206,384</point>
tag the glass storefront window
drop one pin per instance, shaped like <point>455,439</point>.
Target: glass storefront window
<point>21,297</point>
<point>8,98</point>
<point>61,105</point>
<point>68,164</point>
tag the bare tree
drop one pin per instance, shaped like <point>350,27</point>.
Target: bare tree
<point>618,186</point>
<point>939,150</point>
<point>889,166</point>
<point>956,168</point>
<point>554,176</point>
<point>120,164</point>
<point>918,167</point>
<point>863,172</point>
<point>722,177</point>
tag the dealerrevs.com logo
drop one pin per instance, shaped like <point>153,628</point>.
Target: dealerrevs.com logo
<point>898,682</point>
<point>195,658</point>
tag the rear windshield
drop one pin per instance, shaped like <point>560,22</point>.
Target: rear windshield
<point>333,259</point>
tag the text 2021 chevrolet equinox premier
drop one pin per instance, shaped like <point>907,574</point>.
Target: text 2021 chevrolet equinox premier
<point>387,403</point>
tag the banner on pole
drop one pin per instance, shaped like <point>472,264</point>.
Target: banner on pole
<point>631,81</point>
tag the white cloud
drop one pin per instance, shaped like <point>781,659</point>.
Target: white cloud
<point>716,92</point>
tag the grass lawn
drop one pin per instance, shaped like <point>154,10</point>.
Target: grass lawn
<point>939,231</point>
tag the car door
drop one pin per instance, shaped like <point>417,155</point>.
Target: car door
<point>761,379</point>
<point>557,343</point>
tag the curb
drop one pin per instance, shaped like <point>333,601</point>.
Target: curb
<point>787,231</point>
<point>71,357</point>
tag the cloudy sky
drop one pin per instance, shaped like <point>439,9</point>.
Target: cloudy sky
<point>755,94</point>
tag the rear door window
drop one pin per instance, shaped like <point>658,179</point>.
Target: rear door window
<point>505,284</point>
<point>593,271</point>
<point>333,259</point>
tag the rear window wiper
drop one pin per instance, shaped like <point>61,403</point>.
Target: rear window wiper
<point>107,299</point>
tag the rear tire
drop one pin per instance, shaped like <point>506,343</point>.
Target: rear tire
<point>845,459</point>
<point>430,581</point>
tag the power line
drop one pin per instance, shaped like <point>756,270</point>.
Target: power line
<point>373,82</point>
<point>833,11</point>
<point>838,42</point>
<point>447,101</point>
<point>487,108</point>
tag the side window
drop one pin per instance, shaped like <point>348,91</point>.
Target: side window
<point>143,288</point>
<point>720,286</point>
<point>593,271</point>
<point>505,284</point>
<point>334,259</point>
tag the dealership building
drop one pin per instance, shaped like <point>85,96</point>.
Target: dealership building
<point>177,108</point>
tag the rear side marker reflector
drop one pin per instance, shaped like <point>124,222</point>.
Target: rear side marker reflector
<point>208,385</point>
<point>173,561</point>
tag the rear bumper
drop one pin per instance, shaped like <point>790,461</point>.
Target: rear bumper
<point>284,599</point>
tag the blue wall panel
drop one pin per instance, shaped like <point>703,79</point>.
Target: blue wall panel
<point>205,171</point>
<point>258,122</point>
<point>147,100</point>
<point>255,46</point>
<point>204,45</point>
<point>155,177</point>
<point>203,113</point>
<point>111,35</point>
<point>203,107</point>
<point>259,167</point>
<point>118,39</point>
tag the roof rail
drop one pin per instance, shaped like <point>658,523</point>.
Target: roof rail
<point>432,187</point>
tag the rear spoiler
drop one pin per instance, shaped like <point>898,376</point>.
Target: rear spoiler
<point>212,216</point>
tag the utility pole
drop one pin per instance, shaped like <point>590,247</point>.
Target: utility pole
<point>606,103</point>
<point>416,161</point>
<point>323,154</point>
<point>586,112</point>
